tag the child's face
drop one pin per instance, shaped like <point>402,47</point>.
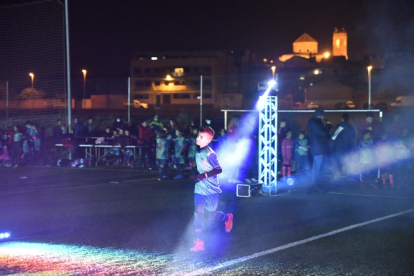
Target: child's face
<point>115,132</point>
<point>121,132</point>
<point>90,121</point>
<point>301,136</point>
<point>203,139</point>
<point>367,136</point>
<point>127,132</point>
<point>289,135</point>
<point>144,124</point>
<point>282,124</point>
<point>178,133</point>
<point>107,130</point>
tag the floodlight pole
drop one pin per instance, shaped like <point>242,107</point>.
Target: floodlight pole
<point>68,65</point>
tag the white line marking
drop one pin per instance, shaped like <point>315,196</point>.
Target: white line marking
<point>273,250</point>
<point>377,196</point>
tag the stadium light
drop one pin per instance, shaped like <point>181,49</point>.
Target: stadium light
<point>84,82</point>
<point>369,68</point>
<point>262,100</point>
<point>32,78</point>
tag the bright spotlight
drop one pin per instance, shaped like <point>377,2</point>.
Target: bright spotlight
<point>4,235</point>
<point>262,100</point>
<point>290,181</point>
<point>316,71</point>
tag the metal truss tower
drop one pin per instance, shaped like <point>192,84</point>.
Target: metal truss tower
<point>268,144</point>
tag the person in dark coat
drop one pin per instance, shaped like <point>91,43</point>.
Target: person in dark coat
<point>78,128</point>
<point>319,144</point>
<point>343,137</point>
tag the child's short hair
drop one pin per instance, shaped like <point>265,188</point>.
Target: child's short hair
<point>208,130</point>
<point>345,117</point>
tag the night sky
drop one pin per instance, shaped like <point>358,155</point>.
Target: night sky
<point>105,34</point>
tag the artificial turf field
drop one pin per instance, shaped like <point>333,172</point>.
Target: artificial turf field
<point>106,221</point>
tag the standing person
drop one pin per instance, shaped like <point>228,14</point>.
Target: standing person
<point>155,125</point>
<point>180,147</point>
<point>162,154</point>
<point>36,141</point>
<point>119,124</point>
<point>172,128</point>
<point>287,154</point>
<point>144,140</point>
<point>57,132</point>
<point>372,125</point>
<point>281,134</point>
<point>366,157</point>
<point>192,149</point>
<point>17,148</point>
<point>301,154</point>
<point>78,128</point>
<point>319,145</point>
<point>89,127</point>
<point>344,137</point>
<point>207,188</point>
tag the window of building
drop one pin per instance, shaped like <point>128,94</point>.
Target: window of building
<point>196,83</point>
<point>181,96</point>
<point>147,83</point>
<point>147,70</point>
<point>338,43</point>
<point>137,70</point>
<point>156,70</point>
<point>139,83</point>
<point>187,69</point>
<point>207,69</point>
<point>141,96</point>
<point>179,70</point>
<point>166,82</point>
<point>179,82</point>
<point>207,95</point>
<point>196,69</point>
<point>157,83</point>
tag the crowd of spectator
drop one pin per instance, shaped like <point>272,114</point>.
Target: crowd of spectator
<point>339,152</point>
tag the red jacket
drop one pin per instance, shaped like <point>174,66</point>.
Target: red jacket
<point>287,151</point>
<point>144,135</point>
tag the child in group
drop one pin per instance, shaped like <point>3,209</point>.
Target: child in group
<point>207,188</point>
<point>383,155</point>
<point>287,154</point>
<point>162,154</point>
<point>128,153</point>
<point>192,148</point>
<point>301,154</point>
<point>17,148</point>
<point>366,156</point>
<point>180,147</point>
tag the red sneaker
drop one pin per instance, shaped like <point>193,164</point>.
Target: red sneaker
<point>228,225</point>
<point>199,246</point>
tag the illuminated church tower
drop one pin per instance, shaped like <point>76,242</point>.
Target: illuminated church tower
<point>340,43</point>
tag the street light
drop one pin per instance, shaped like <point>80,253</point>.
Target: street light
<point>369,68</point>
<point>273,71</point>
<point>326,55</point>
<point>32,77</point>
<point>84,82</point>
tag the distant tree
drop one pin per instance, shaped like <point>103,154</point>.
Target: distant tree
<point>31,93</point>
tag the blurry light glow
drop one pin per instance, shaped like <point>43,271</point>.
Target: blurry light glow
<point>154,58</point>
<point>262,100</point>
<point>1,236</point>
<point>84,71</point>
<point>290,181</point>
<point>265,60</point>
<point>271,61</point>
<point>168,77</point>
<point>311,84</point>
<point>338,43</point>
<point>316,71</point>
<point>31,75</point>
<point>302,78</point>
<point>7,235</point>
<point>369,68</point>
<point>326,55</point>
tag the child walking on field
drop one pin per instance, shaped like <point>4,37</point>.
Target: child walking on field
<point>207,188</point>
